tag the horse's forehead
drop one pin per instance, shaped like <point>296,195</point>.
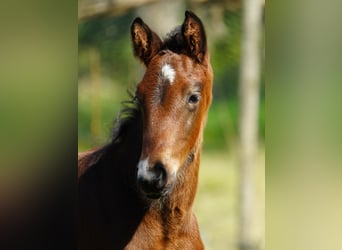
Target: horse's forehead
<point>179,62</point>
<point>170,69</point>
<point>167,73</point>
<point>172,66</point>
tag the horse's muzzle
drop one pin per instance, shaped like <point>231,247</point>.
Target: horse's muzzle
<point>151,181</point>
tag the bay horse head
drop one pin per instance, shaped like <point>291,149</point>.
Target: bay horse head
<point>174,96</point>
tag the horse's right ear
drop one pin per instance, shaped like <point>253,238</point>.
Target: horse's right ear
<point>194,34</point>
<point>146,43</point>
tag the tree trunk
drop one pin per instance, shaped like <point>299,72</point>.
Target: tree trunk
<point>248,120</point>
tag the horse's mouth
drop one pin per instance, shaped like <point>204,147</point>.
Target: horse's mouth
<point>153,196</point>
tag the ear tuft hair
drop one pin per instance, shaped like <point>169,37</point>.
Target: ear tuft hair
<point>145,42</point>
<point>194,35</point>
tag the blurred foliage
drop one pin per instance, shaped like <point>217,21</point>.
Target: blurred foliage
<point>111,37</point>
<point>120,71</point>
<point>225,58</point>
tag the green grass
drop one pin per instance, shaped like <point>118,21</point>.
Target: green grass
<point>216,203</point>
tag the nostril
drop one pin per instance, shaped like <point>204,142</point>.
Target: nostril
<point>160,174</point>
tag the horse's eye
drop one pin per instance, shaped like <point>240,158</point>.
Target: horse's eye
<point>193,99</point>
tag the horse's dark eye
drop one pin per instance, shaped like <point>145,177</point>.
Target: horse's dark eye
<point>193,99</point>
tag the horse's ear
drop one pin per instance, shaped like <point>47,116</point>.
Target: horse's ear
<point>195,38</point>
<point>145,42</point>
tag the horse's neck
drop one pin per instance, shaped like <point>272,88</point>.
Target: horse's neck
<point>170,221</point>
<point>176,208</point>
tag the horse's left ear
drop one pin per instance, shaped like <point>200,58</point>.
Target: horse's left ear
<point>194,34</point>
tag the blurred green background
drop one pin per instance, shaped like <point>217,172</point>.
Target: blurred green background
<point>107,69</point>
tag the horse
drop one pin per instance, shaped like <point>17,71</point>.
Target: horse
<point>138,191</point>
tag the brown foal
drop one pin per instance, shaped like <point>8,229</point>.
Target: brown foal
<point>137,192</point>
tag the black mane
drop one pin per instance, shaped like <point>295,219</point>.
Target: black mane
<point>126,131</point>
<point>110,172</point>
<point>128,115</point>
